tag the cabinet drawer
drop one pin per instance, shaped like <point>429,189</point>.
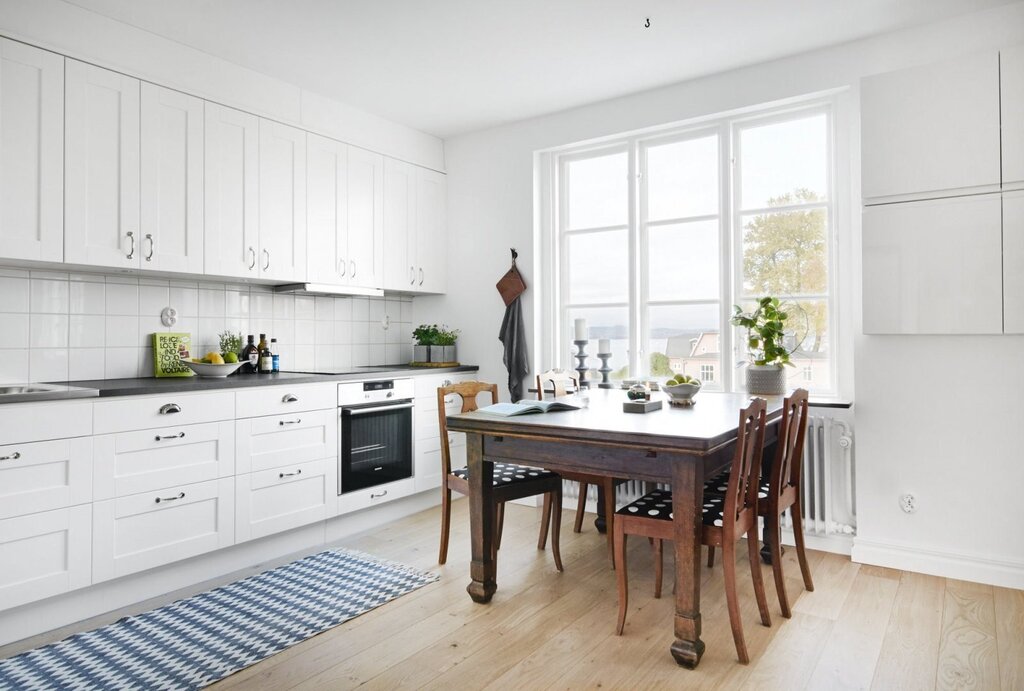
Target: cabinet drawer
<point>27,422</point>
<point>139,532</point>
<point>45,475</point>
<point>364,498</point>
<point>285,399</point>
<point>429,384</point>
<point>133,462</point>
<point>147,412</point>
<point>44,554</point>
<point>277,440</point>
<point>270,501</point>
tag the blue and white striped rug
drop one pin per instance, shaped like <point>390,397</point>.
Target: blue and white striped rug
<point>196,641</point>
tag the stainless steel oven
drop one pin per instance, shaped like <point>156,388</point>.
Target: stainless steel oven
<point>377,430</point>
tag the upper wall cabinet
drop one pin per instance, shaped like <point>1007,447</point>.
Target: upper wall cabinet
<point>414,228</point>
<point>326,210</point>
<point>231,239</point>
<point>282,202</point>
<point>1013,262</point>
<point>101,168</point>
<point>431,231</point>
<point>932,130</point>
<point>1011,72</point>
<point>365,218</point>
<point>172,180</point>
<point>31,153</point>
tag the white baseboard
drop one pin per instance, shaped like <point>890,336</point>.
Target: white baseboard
<point>964,566</point>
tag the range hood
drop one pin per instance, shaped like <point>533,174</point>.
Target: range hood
<point>327,289</point>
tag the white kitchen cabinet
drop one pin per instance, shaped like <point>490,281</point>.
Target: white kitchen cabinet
<point>931,130</point>
<point>28,422</point>
<point>273,500</point>
<point>326,210</point>
<point>101,167</point>
<point>279,400</point>
<point>45,554</point>
<point>161,412</point>
<point>1013,262</point>
<point>32,142</point>
<point>931,267</point>
<point>231,195</point>
<point>414,228</point>
<point>45,475</point>
<point>1011,72</point>
<point>171,180</point>
<point>431,231</point>
<point>374,496</point>
<point>365,218</point>
<point>282,194</point>
<point>141,531</point>
<point>278,440</point>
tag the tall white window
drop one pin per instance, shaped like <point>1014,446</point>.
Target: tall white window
<point>656,236</point>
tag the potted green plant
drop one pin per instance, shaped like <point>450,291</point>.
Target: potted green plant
<point>426,336</point>
<point>444,345</point>
<point>766,326</point>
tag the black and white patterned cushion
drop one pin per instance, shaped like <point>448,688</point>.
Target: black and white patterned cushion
<point>720,484</point>
<point>509,473</point>
<point>658,505</point>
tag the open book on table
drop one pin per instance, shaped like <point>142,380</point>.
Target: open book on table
<point>525,407</point>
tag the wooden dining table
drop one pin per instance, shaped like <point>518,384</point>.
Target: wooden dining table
<point>677,445</point>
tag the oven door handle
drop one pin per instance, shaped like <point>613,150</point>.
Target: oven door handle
<point>375,409</point>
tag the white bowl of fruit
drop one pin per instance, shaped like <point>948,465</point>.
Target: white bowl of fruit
<point>214,364</point>
<point>681,389</point>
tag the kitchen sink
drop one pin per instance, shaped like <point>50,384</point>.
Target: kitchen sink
<point>20,393</point>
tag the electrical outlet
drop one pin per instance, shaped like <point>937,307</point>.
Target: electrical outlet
<point>908,502</point>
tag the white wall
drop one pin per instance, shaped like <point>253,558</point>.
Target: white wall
<point>87,36</point>
<point>955,448</point>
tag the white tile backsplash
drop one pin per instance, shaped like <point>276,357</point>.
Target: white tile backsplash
<point>122,300</point>
<point>153,299</point>
<point>15,291</point>
<point>88,298</point>
<point>13,330</point>
<point>48,296</point>
<point>48,331</point>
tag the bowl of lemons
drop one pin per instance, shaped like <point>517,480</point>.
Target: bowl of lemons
<point>214,364</point>
<point>681,389</point>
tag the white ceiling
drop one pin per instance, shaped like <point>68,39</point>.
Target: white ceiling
<point>452,66</point>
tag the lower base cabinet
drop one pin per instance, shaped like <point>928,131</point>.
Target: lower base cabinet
<point>372,496</point>
<point>269,501</point>
<point>44,554</point>
<point>141,531</point>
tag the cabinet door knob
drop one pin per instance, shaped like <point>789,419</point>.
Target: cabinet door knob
<point>252,255</point>
<point>421,276</point>
<point>341,267</point>
<point>289,398</point>
<point>152,247</point>
<point>169,408</point>
<point>181,495</point>
<point>412,275</point>
<point>266,253</point>
<point>353,266</point>
<point>12,457</point>
<point>131,252</point>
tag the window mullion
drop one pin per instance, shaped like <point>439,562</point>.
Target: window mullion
<point>637,254</point>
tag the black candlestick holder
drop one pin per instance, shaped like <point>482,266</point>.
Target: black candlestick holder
<point>605,370</point>
<point>581,361</point>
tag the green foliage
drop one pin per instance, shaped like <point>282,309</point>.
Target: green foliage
<point>659,365</point>
<point>432,334</point>
<point>446,336</point>
<point>230,342</point>
<point>765,327</point>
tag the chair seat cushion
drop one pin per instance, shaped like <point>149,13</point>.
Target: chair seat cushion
<point>657,505</point>
<point>720,483</point>
<point>510,473</point>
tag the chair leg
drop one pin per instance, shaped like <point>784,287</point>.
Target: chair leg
<point>780,580</point>
<point>711,556</point>
<point>753,547</point>
<point>545,518</point>
<point>659,566</point>
<point>729,568</point>
<point>581,505</point>
<point>609,514</point>
<point>798,532</point>
<point>499,525</point>
<point>620,576</point>
<point>446,520</point>
<point>556,527</point>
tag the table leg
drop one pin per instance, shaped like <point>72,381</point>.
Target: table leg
<point>601,523</point>
<point>687,496</point>
<point>481,521</point>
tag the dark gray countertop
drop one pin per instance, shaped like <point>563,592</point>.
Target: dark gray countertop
<point>152,385</point>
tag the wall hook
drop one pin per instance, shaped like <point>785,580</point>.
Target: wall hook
<point>647,22</point>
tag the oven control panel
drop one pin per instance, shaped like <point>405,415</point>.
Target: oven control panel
<point>376,390</point>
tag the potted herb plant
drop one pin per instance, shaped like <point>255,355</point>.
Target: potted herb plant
<point>426,337</point>
<point>766,347</point>
<point>445,345</point>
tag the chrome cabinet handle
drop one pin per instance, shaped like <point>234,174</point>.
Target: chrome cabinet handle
<point>297,472</point>
<point>289,398</point>
<point>290,422</point>
<point>378,496</point>
<point>13,457</point>
<point>181,495</point>
<point>152,246</point>
<point>131,252</point>
<point>252,255</point>
<point>341,267</point>
<point>168,408</point>
<point>412,275</point>
<point>353,266</point>
<point>179,435</point>
<point>266,253</point>
<point>421,276</point>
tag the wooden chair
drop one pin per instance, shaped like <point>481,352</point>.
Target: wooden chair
<point>781,491</point>
<point>562,384</point>
<point>510,481</point>
<point>726,519</point>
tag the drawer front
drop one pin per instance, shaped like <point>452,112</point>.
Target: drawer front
<point>285,399</point>
<point>270,501</point>
<point>27,422</point>
<point>364,498</point>
<point>45,475</point>
<point>45,554</point>
<point>135,533</point>
<point>133,462</point>
<point>150,412</point>
<point>279,440</point>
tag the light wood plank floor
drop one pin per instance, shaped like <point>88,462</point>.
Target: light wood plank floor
<point>863,627</point>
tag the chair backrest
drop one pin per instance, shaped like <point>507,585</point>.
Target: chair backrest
<point>745,476</point>
<point>467,391</point>
<point>789,452</point>
<point>562,382</point>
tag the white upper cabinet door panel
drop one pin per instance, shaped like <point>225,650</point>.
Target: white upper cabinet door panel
<point>231,155</point>
<point>101,167</point>
<point>1013,262</point>
<point>932,267</point>
<point>31,153</point>
<point>172,180</point>
<point>400,225</point>
<point>1011,72</point>
<point>365,218</point>
<point>931,129</point>
<point>326,210</point>
<point>431,231</point>
<point>282,202</point>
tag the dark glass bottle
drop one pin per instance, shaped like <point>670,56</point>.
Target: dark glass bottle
<point>266,357</point>
<point>250,356</point>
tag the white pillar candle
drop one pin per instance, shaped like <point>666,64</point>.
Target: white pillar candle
<point>604,346</point>
<point>581,329</point>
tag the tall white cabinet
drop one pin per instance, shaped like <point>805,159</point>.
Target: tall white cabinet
<point>365,217</point>
<point>414,228</point>
<point>282,254</point>
<point>32,160</point>
<point>326,210</point>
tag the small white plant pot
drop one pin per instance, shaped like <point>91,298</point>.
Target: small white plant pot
<point>767,380</point>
